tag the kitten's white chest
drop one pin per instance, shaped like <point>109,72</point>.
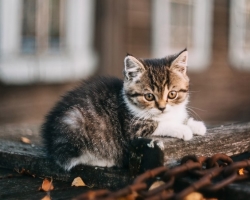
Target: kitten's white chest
<point>175,114</point>
<point>172,124</point>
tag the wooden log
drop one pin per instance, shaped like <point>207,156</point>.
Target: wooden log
<point>32,159</point>
<point>231,139</point>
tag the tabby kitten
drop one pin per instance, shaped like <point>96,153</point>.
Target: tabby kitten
<point>95,123</point>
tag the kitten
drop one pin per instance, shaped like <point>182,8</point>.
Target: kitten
<point>95,123</point>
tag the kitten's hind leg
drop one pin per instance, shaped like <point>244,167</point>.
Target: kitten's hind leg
<point>64,155</point>
<point>145,154</point>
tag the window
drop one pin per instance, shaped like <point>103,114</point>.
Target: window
<point>239,34</point>
<point>42,26</point>
<point>46,40</point>
<point>183,23</point>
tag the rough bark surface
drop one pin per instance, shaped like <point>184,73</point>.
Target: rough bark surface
<point>19,156</point>
<point>231,139</point>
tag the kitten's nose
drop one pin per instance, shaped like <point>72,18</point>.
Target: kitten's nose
<point>162,108</point>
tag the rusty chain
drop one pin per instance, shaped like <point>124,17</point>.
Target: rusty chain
<point>212,174</point>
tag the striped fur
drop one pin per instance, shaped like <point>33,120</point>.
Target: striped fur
<point>95,123</point>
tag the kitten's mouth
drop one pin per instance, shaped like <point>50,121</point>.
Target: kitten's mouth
<point>159,113</point>
<point>163,112</point>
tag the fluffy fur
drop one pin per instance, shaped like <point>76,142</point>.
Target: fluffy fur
<point>95,123</point>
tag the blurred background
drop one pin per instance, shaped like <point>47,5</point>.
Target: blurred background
<point>48,46</point>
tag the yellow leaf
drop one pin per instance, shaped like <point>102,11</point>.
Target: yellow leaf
<point>46,198</point>
<point>47,185</point>
<point>241,171</point>
<point>156,184</point>
<point>25,140</point>
<point>194,196</point>
<point>78,182</point>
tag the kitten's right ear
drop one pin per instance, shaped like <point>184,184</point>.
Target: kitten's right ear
<point>133,68</point>
<point>180,63</point>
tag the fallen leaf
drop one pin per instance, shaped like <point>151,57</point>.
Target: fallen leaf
<point>25,140</point>
<point>46,198</point>
<point>241,171</point>
<point>194,196</point>
<point>156,184</point>
<point>78,182</point>
<point>47,185</point>
<point>24,172</point>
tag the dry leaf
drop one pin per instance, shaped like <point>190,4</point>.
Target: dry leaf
<point>24,171</point>
<point>194,196</point>
<point>241,171</point>
<point>46,198</point>
<point>156,184</point>
<point>47,185</point>
<point>78,182</point>
<point>25,140</point>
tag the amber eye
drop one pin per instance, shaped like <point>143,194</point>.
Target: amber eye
<point>172,94</point>
<point>149,97</point>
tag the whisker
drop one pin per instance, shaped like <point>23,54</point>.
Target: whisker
<point>136,118</point>
<point>193,112</point>
<point>122,103</point>
<point>193,91</point>
<point>197,108</point>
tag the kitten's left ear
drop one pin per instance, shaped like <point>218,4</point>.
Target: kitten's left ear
<point>180,63</point>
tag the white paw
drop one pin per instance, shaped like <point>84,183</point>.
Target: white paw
<point>184,132</point>
<point>151,144</point>
<point>160,144</point>
<point>181,131</point>
<point>197,127</point>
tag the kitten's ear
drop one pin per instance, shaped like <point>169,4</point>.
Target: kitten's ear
<point>132,67</point>
<point>180,63</point>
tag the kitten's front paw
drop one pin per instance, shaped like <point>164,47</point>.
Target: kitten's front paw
<point>197,127</point>
<point>180,131</point>
<point>160,144</point>
<point>184,132</point>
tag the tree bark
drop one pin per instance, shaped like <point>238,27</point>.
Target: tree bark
<point>231,140</point>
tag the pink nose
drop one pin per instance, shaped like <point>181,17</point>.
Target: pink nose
<point>161,104</point>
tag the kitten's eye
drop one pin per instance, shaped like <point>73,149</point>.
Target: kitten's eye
<point>149,97</point>
<point>172,94</point>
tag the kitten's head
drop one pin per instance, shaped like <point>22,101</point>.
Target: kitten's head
<point>155,86</point>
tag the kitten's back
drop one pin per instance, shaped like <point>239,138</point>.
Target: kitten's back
<point>86,120</point>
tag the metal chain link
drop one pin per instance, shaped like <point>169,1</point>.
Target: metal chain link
<point>213,173</point>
